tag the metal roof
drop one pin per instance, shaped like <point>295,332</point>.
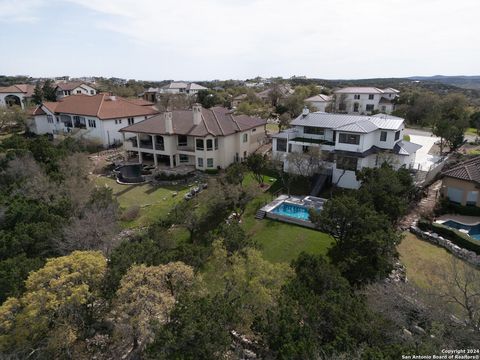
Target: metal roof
<point>346,122</point>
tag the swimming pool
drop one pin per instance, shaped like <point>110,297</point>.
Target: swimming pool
<point>472,230</point>
<point>293,211</point>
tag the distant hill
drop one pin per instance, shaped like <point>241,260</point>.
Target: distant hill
<point>465,82</point>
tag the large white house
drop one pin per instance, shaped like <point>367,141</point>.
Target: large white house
<point>18,95</point>
<point>347,143</point>
<point>321,102</point>
<point>205,138</point>
<point>67,88</point>
<point>97,117</point>
<point>180,87</point>
<point>365,100</point>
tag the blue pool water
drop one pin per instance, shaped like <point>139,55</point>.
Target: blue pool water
<point>293,211</point>
<point>473,230</point>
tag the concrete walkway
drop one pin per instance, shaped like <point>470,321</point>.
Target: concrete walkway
<point>425,206</point>
<point>424,160</point>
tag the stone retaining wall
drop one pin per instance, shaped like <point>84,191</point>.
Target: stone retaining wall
<point>464,254</point>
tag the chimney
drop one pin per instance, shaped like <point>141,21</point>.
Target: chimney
<point>197,113</point>
<point>168,121</point>
<point>305,111</point>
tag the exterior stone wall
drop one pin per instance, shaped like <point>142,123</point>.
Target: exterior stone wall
<point>464,254</point>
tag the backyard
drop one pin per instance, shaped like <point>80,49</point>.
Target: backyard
<point>154,202</point>
<point>281,242</point>
<point>423,261</point>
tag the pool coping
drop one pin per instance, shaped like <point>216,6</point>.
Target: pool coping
<point>293,200</point>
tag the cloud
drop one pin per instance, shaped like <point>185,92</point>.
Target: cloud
<point>240,38</point>
<point>20,11</point>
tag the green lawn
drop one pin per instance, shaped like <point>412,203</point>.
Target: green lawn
<point>281,242</point>
<point>273,128</point>
<point>471,131</point>
<point>154,202</point>
<point>423,261</point>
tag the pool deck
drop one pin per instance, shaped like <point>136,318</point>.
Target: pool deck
<point>467,220</point>
<point>304,201</point>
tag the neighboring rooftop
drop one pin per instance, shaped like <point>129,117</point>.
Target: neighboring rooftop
<point>351,123</point>
<point>216,121</point>
<point>70,85</point>
<point>183,85</point>
<point>26,89</point>
<point>102,106</point>
<point>468,170</point>
<point>319,98</point>
<point>366,90</point>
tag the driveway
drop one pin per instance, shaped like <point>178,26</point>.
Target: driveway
<point>424,160</point>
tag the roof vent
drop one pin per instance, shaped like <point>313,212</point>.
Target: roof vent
<point>305,111</point>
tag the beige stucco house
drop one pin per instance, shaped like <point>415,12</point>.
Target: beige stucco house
<point>205,138</point>
<point>461,184</point>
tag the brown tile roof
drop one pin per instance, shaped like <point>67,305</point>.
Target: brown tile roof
<point>26,89</point>
<point>102,106</point>
<point>217,121</point>
<point>70,85</point>
<point>140,102</point>
<point>468,170</point>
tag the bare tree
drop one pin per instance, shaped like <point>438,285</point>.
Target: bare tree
<point>306,164</point>
<point>95,229</point>
<point>460,287</point>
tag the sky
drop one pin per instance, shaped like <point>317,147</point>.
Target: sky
<point>239,39</point>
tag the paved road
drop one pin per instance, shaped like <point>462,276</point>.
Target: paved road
<point>422,132</point>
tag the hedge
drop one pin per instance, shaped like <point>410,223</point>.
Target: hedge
<point>455,236</point>
<point>448,207</point>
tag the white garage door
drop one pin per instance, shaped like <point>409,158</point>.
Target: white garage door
<point>455,195</point>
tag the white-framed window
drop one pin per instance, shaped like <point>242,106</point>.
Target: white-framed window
<point>347,163</point>
<point>245,138</point>
<point>79,91</point>
<point>369,107</point>
<point>199,144</point>
<point>92,123</point>
<point>281,145</point>
<point>182,140</point>
<point>313,130</point>
<point>200,162</point>
<point>371,96</point>
<point>183,158</point>
<point>349,138</point>
<point>118,121</point>
<point>209,162</point>
<point>209,145</point>
<point>254,129</point>
<point>50,119</point>
<point>131,121</point>
<point>216,143</point>
<point>383,136</point>
<point>92,92</point>
<point>397,135</point>
<point>356,106</point>
<point>356,96</point>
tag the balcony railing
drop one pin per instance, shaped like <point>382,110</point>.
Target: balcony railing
<point>313,141</point>
<point>186,148</point>
<point>145,144</point>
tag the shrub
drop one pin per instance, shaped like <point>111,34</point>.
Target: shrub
<point>212,171</point>
<point>170,177</point>
<point>455,236</point>
<point>131,213</point>
<point>448,207</point>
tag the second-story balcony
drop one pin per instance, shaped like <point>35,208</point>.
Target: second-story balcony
<point>146,144</point>
<point>186,148</point>
<point>305,140</point>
